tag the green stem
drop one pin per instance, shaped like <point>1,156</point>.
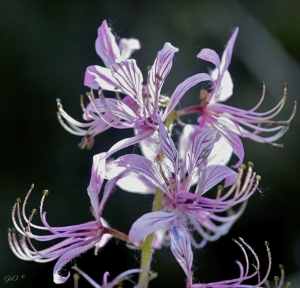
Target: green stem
<point>146,248</point>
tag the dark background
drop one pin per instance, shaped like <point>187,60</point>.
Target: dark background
<point>44,50</point>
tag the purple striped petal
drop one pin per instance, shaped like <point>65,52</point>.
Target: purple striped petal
<point>142,166</point>
<point>215,174</point>
<point>200,150</point>
<point>106,46</point>
<point>130,79</point>
<point>181,248</point>
<point>148,224</point>
<point>65,258</point>
<point>167,145</point>
<point>97,77</point>
<point>182,88</point>
<point>210,56</point>
<point>160,69</point>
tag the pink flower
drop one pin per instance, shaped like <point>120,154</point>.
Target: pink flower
<point>77,239</point>
<point>232,122</point>
<point>141,107</point>
<point>183,209</point>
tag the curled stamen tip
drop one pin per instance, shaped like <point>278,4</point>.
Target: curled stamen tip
<point>76,276</point>
<point>45,192</point>
<point>267,243</point>
<point>250,165</point>
<point>285,85</point>
<point>18,201</point>
<point>243,166</point>
<point>33,211</point>
<point>258,177</point>
<point>276,278</point>
<point>220,188</point>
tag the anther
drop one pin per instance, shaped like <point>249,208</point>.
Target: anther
<point>26,229</point>
<point>33,212</point>
<point>276,279</point>
<point>258,177</point>
<point>32,186</point>
<point>8,230</point>
<point>18,201</point>
<point>45,192</point>
<point>220,188</point>
<point>243,166</point>
<point>250,165</point>
<point>285,85</point>
<point>281,267</point>
<point>76,276</point>
<point>267,243</point>
<point>288,285</point>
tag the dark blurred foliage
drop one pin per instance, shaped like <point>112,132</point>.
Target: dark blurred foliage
<point>45,48</point>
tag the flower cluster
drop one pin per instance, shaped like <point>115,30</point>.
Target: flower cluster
<point>179,176</point>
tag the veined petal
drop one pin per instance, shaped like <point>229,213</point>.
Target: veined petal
<point>160,69</point>
<point>98,174</point>
<point>200,149</point>
<point>215,174</point>
<point>142,166</point>
<point>181,248</point>
<point>210,56</point>
<point>167,145</point>
<point>226,57</point>
<point>182,88</point>
<point>148,224</point>
<point>97,77</point>
<point>65,258</point>
<point>106,46</point>
<point>130,79</point>
<point>127,46</point>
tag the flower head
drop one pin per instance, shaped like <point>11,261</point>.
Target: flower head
<point>184,211</point>
<point>73,240</point>
<point>233,122</point>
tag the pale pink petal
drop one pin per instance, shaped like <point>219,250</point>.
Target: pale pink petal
<point>148,224</point>
<point>97,77</point>
<point>127,47</point>
<point>132,182</point>
<point>106,46</point>
<point>182,88</point>
<point>98,174</point>
<point>65,258</point>
<point>130,79</point>
<point>181,248</point>
<point>225,89</point>
<point>226,57</point>
<point>160,69</point>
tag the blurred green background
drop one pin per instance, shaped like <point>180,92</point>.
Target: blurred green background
<point>45,48</point>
